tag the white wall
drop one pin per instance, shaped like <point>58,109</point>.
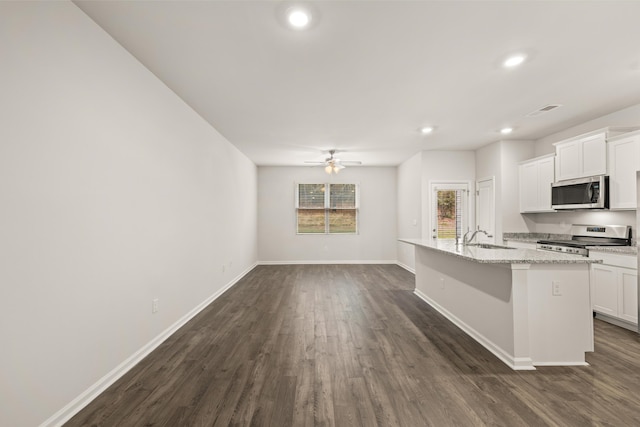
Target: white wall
<point>409,208</point>
<point>113,192</point>
<point>278,241</point>
<point>513,152</point>
<point>446,166</point>
<point>500,160</point>
<point>629,116</point>
<point>415,176</point>
<point>488,165</point>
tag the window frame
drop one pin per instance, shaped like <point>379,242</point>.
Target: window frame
<point>327,208</point>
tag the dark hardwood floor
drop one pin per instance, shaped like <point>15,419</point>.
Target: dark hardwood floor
<point>343,345</point>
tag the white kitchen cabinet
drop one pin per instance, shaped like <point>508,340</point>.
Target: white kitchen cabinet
<point>628,298</point>
<point>536,176</point>
<point>528,186</point>
<point>585,155</point>
<point>594,155</point>
<point>604,287</point>
<point>582,156</point>
<point>614,287</point>
<point>624,161</point>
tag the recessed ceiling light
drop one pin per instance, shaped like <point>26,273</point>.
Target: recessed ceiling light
<point>506,131</point>
<point>425,130</point>
<point>298,18</point>
<point>514,60</point>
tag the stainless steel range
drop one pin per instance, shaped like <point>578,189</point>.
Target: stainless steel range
<point>589,235</point>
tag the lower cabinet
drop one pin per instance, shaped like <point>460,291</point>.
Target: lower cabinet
<point>614,287</point>
<point>628,300</point>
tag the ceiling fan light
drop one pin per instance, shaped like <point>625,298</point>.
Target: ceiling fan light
<point>328,169</point>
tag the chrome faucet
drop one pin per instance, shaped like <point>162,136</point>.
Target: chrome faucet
<point>466,242</point>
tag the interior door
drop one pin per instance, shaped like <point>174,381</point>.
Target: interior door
<point>485,210</point>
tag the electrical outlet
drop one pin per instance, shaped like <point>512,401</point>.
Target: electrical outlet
<point>154,306</point>
<point>556,289</point>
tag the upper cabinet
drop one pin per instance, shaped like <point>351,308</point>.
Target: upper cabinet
<point>584,155</point>
<point>613,151</point>
<point>536,176</point>
<point>624,161</point>
<point>581,157</point>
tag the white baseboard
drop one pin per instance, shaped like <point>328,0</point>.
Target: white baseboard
<point>316,262</point>
<point>340,261</point>
<point>515,363</point>
<point>77,404</point>
<point>618,322</point>
<point>406,267</point>
<point>562,363</point>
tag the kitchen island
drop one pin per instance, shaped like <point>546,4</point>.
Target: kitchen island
<point>529,308</point>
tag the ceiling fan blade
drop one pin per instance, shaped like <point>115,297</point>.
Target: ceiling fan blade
<point>315,163</point>
<point>350,162</point>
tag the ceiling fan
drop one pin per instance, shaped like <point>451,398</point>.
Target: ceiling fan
<point>334,165</point>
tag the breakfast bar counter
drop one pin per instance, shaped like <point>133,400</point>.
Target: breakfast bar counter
<point>529,308</point>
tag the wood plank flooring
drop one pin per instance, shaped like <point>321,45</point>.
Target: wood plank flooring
<point>350,345</point>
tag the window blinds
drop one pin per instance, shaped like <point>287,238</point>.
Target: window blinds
<point>327,208</point>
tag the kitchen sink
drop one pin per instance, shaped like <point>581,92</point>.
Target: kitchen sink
<point>488,246</point>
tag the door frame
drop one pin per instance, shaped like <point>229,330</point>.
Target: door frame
<point>492,202</point>
<point>453,185</point>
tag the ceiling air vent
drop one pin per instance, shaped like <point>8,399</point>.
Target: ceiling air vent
<point>543,110</point>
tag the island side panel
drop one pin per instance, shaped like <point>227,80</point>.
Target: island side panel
<point>561,326</point>
<point>475,296</point>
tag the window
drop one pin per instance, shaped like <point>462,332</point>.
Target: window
<point>327,212</point>
<point>449,210</point>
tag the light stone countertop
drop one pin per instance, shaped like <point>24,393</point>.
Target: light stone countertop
<point>500,256</point>
<point>522,239</point>
<point>621,250</point>
<point>533,237</point>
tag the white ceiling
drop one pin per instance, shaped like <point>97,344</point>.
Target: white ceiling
<point>368,74</point>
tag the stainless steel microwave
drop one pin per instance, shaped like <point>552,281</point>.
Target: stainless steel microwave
<point>581,193</point>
